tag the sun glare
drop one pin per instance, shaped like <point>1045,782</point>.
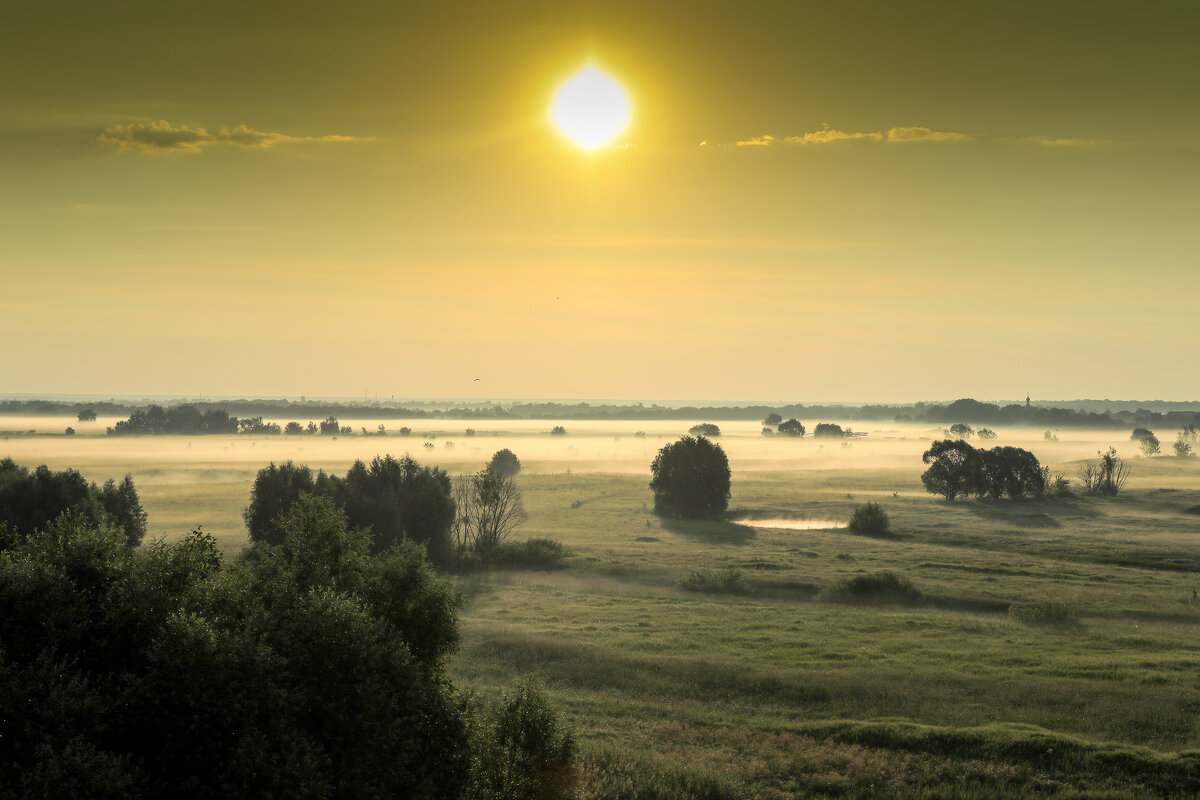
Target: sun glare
<point>590,109</point>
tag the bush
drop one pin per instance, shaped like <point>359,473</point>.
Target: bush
<point>558,430</point>
<point>1045,613</point>
<point>869,520</point>
<point>708,581</point>
<point>538,553</point>
<point>880,588</point>
<point>524,750</point>
<point>690,479</point>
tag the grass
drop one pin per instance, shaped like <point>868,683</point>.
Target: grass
<point>965,684</point>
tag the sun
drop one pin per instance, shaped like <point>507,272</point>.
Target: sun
<point>590,109</point>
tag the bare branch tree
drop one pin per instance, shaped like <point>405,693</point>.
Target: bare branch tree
<point>1105,475</point>
<point>498,510</point>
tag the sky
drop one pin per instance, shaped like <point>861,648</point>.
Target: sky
<point>814,201</point>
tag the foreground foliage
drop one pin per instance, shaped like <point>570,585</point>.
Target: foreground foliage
<point>308,669</point>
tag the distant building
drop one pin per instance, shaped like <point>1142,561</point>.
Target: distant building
<point>1027,401</point>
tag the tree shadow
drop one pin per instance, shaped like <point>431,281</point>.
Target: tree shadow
<point>1031,513</point>
<point>712,531</point>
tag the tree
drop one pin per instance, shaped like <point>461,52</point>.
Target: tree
<point>505,463</point>
<point>772,419</point>
<point>986,435</point>
<point>293,429</point>
<point>31,500</point>
<point>491,511</point>
<point>558,430</point>
<point>398,500</point>
<point>330,426</point>
<point>1150,445</point>
<point>1139,434</point>
<point>793,427</point>
<point>830,430</point>
<point>1105,475</point>
<point>954,468</point>
<point>961,430</point>
<point>87,415</point>
<point>690,479</point>
<point>1049,437</point>
<point>1183,447</point>
<point>705,429</point>
<point>276,489</point>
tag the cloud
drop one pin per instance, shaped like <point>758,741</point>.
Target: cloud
<point>757,141</point>
<point>163,137</point>
<point>826,135</point>
<point>921,134</point>
<point>1051,142</point>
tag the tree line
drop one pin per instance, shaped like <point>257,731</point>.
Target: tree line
<point>1071,413</point>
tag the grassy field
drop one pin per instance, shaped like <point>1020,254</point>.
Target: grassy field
<point>777,690</point>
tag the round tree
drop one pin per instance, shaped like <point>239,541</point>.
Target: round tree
<point>505,463</point>
<point>690,479</point>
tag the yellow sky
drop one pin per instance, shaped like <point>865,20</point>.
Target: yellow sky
<point>893,201</point>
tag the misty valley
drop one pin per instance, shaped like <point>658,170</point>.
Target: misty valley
<point>617,607</point>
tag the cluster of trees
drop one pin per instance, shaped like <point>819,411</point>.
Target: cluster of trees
<point>793,427</point>
<point>313,666</point>
<point>395,499</point>
<point>185,420</point>
<point>690,479</point>
<point>398,500</point>
<point>1184,446</point>
<point>705,429</point>
<point>956,468</point>
<point>31,500</point>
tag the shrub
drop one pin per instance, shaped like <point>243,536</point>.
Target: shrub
<point>558,430</point>
<point>1044,613</point>
<point>869,520</point>
<point>690,479</point>
<point>880,588</point>
<point>540,553</point>
<point>708,581</point>
<point>524,751</point>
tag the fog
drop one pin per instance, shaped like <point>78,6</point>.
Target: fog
<point>588,446</point>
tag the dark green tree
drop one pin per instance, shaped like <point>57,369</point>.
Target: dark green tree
<point>505,463</point>
<point>31,500</point>
<point>792,427</point>
<point>954,468</point>
<point>276,488</point>
<point>690,479</point>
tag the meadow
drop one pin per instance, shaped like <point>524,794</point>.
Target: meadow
<point>775,687</point>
